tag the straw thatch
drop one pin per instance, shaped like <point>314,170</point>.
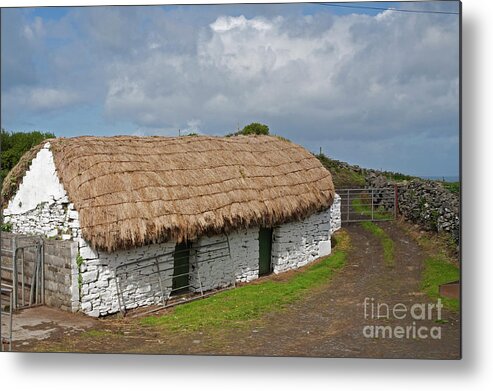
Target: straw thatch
<point>131,191</point>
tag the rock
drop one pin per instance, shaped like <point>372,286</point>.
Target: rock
<point>88,253</point>
<point>53,233</point>
<point>90,276</point>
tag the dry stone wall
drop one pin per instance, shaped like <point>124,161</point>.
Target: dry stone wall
<point>426,203</point>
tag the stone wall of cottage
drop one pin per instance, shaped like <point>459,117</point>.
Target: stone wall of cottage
<point>40,205</point>
<point>299,243</point>
<point>335,214</point>
<point>219,264</point>
<point>144,277</point>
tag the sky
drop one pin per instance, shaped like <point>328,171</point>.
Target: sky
<point>378,88</point>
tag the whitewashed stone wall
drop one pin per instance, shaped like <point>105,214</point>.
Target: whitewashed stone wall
<point>140,284</point>
<point>223,270</point>
<point>335,214</point>
<point>41,205</point>
<point>245,253</point>
<point>299,243</point>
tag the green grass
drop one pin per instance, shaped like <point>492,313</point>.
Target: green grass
<point>387,243</point>
<point>361,207</point>
<point>453,187</point>
<point>342,176</point>
<point>439,271</point>
<point>235,307</point>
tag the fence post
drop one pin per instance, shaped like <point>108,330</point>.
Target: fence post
<point>42,262</point>
<point>347,205</point>
<point>14,273</point>
<point>372,205</point>
<point>396,200</point>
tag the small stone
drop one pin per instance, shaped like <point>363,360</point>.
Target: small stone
<point>73,215</point>
<point>52,233</point>
<point>87,306</point>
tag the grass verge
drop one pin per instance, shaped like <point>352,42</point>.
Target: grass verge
<point>387,243</point>
<point>235,307</point>
<point>441,265</point>
<point>438,271</point>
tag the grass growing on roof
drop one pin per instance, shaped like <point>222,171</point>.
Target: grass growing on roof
<point>439,271</point>
<point>387,243</point>
<point>234,307</point>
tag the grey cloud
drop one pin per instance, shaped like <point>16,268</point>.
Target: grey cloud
<point>313,78</point>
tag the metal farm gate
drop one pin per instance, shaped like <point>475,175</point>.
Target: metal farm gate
<point>173,277</point>
<point>368,204</point>
<point>22,280</point>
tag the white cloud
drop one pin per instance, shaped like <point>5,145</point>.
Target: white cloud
<point>313,78</point>
<point>357,76</point>
<point>40,99</point>
<point>228,23</point>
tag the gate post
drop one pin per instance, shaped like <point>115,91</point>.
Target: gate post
<point>347,205</point>
<point>42,262</point>
<point>14,272</point>
<point>396,201</point>
<point>372,218</point>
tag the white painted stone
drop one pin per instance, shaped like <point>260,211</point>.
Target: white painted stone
<point>299,243</point>
<point>86,306</point>
<point>88,253</point>
<point>90,276</point>
<point>52,233</point>
<point>73,214</point>
<point>324,248</point>
<point>335,214</point>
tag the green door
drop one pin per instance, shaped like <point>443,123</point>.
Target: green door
<point>181,267</point>
<point>265,249</point>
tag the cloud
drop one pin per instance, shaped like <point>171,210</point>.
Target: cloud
<point>41,99</point>
<point>360,76</point>
<point>228,23</point>
<point>317,78</point>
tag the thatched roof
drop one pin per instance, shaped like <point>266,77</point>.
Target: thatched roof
<point>131,191</point>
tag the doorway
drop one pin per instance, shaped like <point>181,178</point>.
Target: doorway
<point>181,268</point>
<point>265,251</point>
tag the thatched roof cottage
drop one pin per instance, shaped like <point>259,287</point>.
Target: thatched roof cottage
<point>155,216</point>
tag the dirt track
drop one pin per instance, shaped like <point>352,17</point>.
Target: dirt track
<point>328,322</point>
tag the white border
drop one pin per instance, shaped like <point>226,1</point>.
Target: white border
<point>475,371</point>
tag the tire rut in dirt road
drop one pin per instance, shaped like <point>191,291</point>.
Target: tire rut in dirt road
<point>330,321</point>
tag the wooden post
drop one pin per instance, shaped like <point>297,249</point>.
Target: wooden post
<point>396,200</point>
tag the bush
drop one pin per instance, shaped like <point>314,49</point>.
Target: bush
<point>254,128</point>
